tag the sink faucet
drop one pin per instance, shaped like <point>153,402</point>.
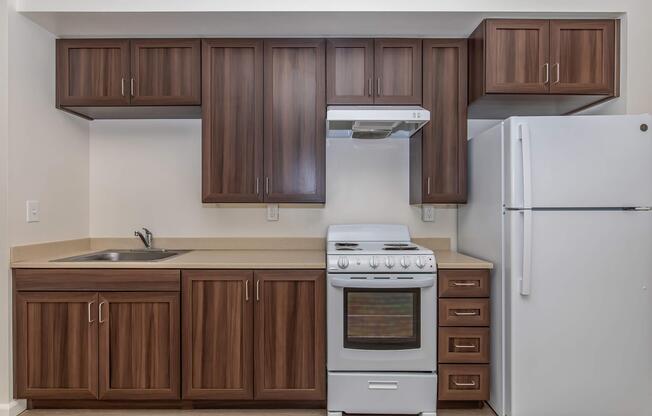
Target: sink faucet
<point>147,238</point>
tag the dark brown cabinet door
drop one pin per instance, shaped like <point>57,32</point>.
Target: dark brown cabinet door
<point>443,148</point>
<point>295,112</point>
<point>397,71</point>
<point>517,56</point>
<point>582,56</point>
<point>290,335</point>
<point>139,345</point>
<point>232,131</point>
<point>350,71</point>
<point>56,345</point>
<point>165,72</point>
<point>92,72</point>
<point>218,334</point>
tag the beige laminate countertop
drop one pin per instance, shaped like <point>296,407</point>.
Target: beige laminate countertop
<point>447,259</point>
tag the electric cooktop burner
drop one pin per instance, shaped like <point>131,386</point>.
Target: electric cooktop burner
<point>400,247</point>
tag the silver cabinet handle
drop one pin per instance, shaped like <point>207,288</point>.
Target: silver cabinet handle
<point>464,346</point>
<point>122,86</point>
<point>257,290</point>
<point>90,319</point>
<point>257,185</point>
<point>558,75</point>
<point>546,71</point>
<point>370,86</point>
<point>471,384</point>
<point>132,87</point>
<point>100,312</point>
<point>464,284</point>
<point>267,185</point>
<point>247,290</point>
<point>378,88</point>
<point>428,185</point>
<point>465,313</point>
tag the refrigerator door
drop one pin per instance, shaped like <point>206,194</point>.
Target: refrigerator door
<point>578,161</point>
<point>578,341</point>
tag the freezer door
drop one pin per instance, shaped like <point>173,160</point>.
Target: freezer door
<point>579,341</point>
<point>578,161</point>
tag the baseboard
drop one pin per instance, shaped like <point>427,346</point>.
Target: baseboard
<point>13,408</point>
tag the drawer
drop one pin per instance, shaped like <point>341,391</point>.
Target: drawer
<point>465,283</point>
<point>463,382</point>
<point>463,345</point>
<point>463,312</point>
<point>97,280</point>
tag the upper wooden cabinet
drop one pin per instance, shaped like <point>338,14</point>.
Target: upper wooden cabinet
<point>232,130</point>
<point>106,78</point>
<point>438,152</point>
<point>368,71</point>
<point>541,67</point>
<point>294,126</point>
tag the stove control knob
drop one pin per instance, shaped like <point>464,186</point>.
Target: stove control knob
<point>389,262</point>
<point>373,262</point>
<point>405,262</point>
<point>343,262</point>
<point>421,263</point>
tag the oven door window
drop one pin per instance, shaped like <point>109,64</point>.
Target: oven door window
<point>382,319</point>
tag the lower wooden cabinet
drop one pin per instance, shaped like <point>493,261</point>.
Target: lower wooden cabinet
<point>459,382</point>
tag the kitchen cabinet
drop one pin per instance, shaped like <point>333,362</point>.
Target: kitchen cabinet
<point>122,78</point>
<point>438,153</point>
<point>541,67</point>
<point>218,334</point>
<point>289,355</point>
<point>232,117</point>
<point>138,345</point>
<point>294,114</point>
<point>368,71</point>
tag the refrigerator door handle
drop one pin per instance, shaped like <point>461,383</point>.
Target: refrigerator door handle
<point>524,135</point>
<point>526,278</point>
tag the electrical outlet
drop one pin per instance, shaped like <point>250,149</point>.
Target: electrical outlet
<point>272,212</point>
<point>33,211</point>
<point>428,213</point>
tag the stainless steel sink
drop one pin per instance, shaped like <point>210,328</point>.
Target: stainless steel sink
<point>125,255</point>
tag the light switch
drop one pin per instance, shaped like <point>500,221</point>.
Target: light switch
<point>33,211</point>
<point>272,212</point>
<point>428,213</point>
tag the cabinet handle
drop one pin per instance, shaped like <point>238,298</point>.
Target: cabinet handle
<point>132,87</point>
<point>465,313</point>
<point>464,284</point>
<point>257,290</point>
<point>257,185</point>
<point>247,290</point>
<point>378,88</point>
<point>471,384</point>
<point>546,71</point>
<point>428,185</point>
<point>122,86</point>
<point>370,86</point>
<point>90,319</point>
<point>557,78</point>
<point>100,312</point>
<point>464,346</point>
<point>267,185</point>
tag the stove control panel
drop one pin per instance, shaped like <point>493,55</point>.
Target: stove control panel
<point>351,263</point>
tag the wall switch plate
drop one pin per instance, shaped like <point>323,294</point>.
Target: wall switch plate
<point>272,212</point>
<point>33,211</point>
<point>428,213</point>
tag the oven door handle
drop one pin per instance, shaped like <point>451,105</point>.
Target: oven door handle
<point>413,282</point>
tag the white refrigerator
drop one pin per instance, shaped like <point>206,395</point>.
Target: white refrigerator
<point>561,206</point>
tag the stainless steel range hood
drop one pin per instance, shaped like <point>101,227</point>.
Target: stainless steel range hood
<point>374,122</point>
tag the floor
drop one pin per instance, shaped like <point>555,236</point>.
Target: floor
<point>486,411</point>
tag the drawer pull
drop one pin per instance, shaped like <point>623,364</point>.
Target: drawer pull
<point>465,313</point>
<point>464,346</point>
<point>383,385</point>
<point>471,384</point>
<point>458,284</point>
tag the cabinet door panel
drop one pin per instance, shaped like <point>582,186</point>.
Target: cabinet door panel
<point>349,71</point>
<point>582,56</point>
<point>516,56</point>
<point>139,346</point>
<point>232,118</point>
<point>444,137</point>
<point>165,72</point>
<point>92,72</point>
<point>295,107</point>
<point>56,345</point>
<point>398,71</point>
<point>218,335</point>
<point>290,335</point>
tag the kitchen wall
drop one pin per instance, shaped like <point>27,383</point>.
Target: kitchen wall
<point>148,173</point>
<point>48,148</point>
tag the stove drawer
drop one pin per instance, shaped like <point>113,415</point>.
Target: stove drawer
<point>383,393</point>
<point>463,312</point>
<point>464,283</point>
<point>463,382</point>
<point>463,345</point>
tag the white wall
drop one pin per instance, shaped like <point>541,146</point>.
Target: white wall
<point>148,173</point>
<point>48,148</point>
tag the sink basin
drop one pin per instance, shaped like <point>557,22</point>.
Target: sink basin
<point>125,255</point>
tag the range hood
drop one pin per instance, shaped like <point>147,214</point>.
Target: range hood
<point>374,122</point>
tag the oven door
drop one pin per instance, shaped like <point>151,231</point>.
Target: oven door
<point>381,322</point>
